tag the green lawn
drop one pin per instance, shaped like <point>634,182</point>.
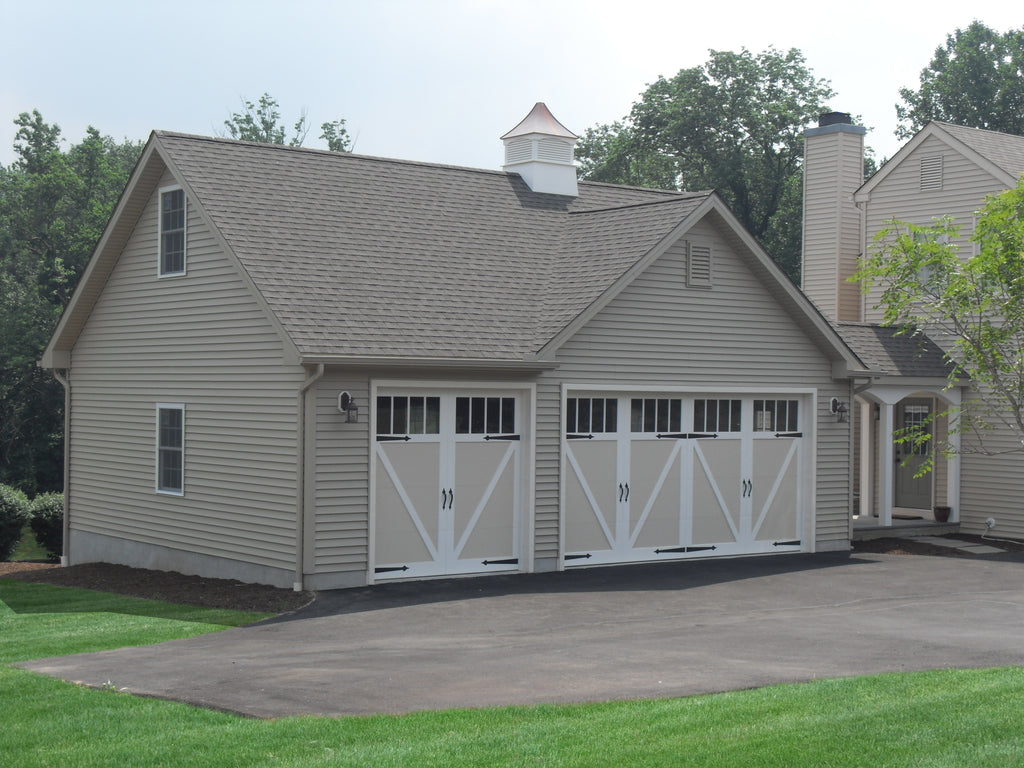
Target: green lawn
<point>28,548</point>
<point>948,718</point>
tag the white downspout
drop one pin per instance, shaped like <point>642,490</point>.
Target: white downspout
<point>65,555</point>
<point>300,472</point>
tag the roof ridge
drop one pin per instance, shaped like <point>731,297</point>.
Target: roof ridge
<point>683,197</point>
<point>980,130</point>
<point>331,153</point>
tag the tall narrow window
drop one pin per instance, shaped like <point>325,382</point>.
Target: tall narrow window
<point>170,449</point>
<point>172,232</point>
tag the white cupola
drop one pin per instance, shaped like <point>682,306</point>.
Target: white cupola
<point>540,149</point>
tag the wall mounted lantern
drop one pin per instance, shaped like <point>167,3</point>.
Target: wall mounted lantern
<point>839,409</point>
<point>347,405</point>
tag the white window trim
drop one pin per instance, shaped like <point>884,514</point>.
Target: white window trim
<point>156,479</point>
<point>159,233</point>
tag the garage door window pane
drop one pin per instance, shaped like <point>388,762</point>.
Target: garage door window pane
<point>590,414</point>
<point>656,415</point>
<point>717,415</point>
<point>776,415</point>
<point>508,415</point>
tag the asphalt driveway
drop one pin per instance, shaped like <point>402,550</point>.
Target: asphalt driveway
<point>610,633</point>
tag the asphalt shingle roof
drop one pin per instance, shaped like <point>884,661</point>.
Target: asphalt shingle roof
<point>367,256</point>
<point>885,348</point>
<point>1002,149</point>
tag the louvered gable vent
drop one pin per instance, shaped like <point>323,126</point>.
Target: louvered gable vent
<point>698,266</point>
<point>931,172</point>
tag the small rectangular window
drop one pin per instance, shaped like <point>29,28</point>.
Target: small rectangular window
<point>172,232</point>
<point>656,415</point>
<point>170,449</point>
<point>485,415</point>
<point>717,415</point>
<point>591,414</point>
<point>776,416</point>
<point>401,415</point>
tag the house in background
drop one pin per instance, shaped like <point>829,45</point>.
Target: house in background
<point>943,170</point>
<point>323,370</point>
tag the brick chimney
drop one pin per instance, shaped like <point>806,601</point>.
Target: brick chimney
<point>540,149</point>
<point>833,171</point>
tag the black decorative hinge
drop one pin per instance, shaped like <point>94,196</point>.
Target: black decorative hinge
<point>508,561</point>
<point>391,438</point>
<point>501,437</point>
<point>789,434</point>
<point>786,543</point>
<point>579,437</point>
<point>578,557</point>
<point>391,569</point>
<point>680,550</point>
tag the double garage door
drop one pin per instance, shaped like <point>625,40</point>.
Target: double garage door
<point>447,483</point>
<point>650,477</point>
<point>662,477</point>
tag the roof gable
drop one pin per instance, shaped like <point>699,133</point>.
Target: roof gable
<point>360,258</point>
<point>1000,154</point>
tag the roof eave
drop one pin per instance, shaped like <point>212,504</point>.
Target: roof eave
<point>526,365</point>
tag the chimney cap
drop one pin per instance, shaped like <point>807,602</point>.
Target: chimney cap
<point>834,118</point>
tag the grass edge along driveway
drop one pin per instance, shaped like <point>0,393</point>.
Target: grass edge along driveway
<point>941,718</point>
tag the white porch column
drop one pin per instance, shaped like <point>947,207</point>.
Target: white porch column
<point>953,477</point>
<point>886,468</point>
<point>866,427</point>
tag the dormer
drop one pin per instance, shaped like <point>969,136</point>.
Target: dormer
<point>540,149</point>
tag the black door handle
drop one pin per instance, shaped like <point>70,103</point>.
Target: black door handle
<point>627,492</point>
<point>620,491</point>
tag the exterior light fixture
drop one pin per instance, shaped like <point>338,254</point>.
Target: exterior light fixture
<point>347,405</point>
<point>839,409</point>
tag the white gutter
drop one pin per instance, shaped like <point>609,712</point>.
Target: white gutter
<point>300,476</point>
<point>65,555</point>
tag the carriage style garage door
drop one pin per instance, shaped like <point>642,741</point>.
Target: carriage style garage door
<point>660,477</point>
<point>447,490</point>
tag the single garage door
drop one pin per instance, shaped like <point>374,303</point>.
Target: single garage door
<point>447,484</point>
<point>660,477</point>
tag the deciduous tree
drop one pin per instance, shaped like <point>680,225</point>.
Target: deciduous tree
<point>735,125</point>
<point>976,80</point>
<point>973,306</point>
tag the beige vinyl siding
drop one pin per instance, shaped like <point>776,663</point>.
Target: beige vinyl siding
<point>341,479</point>
<point>831,229</point>
<point>899,196</point>
<point>203,341</point>
<point>992,485</point>
<point>658,332</point>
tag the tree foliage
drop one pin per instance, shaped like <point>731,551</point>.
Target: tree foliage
<point>973,306</point>
<point>54,205</point>
<point>735,125</point>
<point>976,80</point>
<point>261,121</point>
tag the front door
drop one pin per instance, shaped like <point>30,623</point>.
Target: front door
<point>447,488</point>
<point>912,491</point>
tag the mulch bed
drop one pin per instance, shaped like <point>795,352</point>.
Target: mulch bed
<point>226,593</point>
<point>160,585</point>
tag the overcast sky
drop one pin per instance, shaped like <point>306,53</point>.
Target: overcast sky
<point>436,80</point>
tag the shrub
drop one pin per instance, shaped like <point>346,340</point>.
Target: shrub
<point>13,516</point>
<point>47,521</point>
